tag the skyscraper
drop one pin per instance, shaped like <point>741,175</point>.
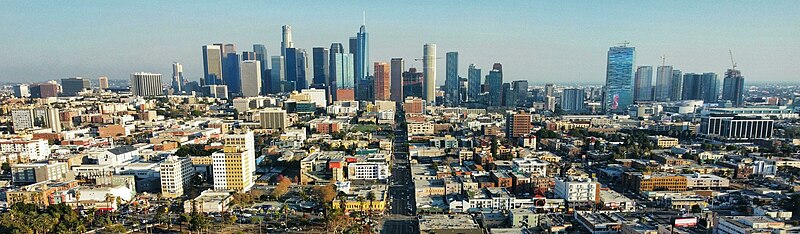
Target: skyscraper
<point>572,100</point>
<point>277,74</point>
<point>382,81</point>
<point>429,72</point>
<point>286,39</point>
<point>177,77</point>
<point>413,84</point>
<point>619,76</point>
<point>676,91</point>
<point>72,86</point>
<point>398,66</point>
<point>494,83</point>
<point>336,48</point>
<point>248,55</point>
<point>230,69</point>
<point>643,84</point>
<point>473,83</point>
<point>321,80</point>
<point>212,64</point>
<point>733,87</point>
<point>342,74</point>
<point>509,99</point>
<point>103,82</point>
<point>296,69</point>
<point>549,89</point>
<point>263,59</point>
<point>452,87</point>
<point>21,91</point>
<point>251,78</point>
<point>361,59</point>
<point>663,87</point>
<point>146,84</point>
<point>700,87</point>
<point>520,88</point>
<point>710,88</point>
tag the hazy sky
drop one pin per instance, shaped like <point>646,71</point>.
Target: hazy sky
<point>541,41</point>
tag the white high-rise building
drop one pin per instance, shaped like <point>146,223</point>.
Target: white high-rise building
<point>176,173</point>
<point>576,189</point>
<point>22,119</point>
<point>286,41</point>
<point>44,117</point>
<point>49,118</point>
<point>146,84</point>
<point>234,167</point>
<point>251,78</point>
<point>429,72</point>
<point>177,77</point>
<point>21,91</point>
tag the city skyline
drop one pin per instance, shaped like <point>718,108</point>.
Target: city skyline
<point>552,38</point>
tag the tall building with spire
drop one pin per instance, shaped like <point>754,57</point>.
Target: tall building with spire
<point>361,59</point>
<point>429,72</point>
<point>619,76</point>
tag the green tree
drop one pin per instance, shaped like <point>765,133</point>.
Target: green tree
<point>696,209</point>
<point>199,221</point>
<point>115,228</point>
<point>6,168</point>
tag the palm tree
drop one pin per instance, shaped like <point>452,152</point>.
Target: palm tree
<point>360,200</point>
<point>371,198</point>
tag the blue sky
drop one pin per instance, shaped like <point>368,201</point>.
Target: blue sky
<point>541,41</point>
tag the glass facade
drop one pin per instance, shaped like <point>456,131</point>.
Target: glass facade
<point>619,78</point>
<point>473,83</point>
<point>452,97</point>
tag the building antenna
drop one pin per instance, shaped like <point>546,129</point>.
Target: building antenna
<point>364,14</point>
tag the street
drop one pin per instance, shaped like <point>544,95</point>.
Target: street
<point>401,218</point>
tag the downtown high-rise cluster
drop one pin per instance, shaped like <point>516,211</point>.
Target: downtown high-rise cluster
<point>344,74</point>
<point>627,84</point>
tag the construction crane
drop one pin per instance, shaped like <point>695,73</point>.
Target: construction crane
<point>418,59</point>
<point>733,64</point>
<point>624,43</point>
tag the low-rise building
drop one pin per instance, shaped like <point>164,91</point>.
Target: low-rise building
<point>209,201</point>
